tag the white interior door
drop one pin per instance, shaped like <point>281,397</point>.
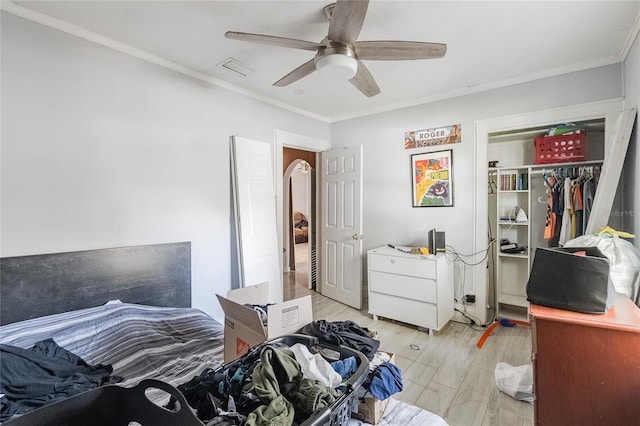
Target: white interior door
<point>615,152</point>
<point>341,225</point>
<point>255,207</point>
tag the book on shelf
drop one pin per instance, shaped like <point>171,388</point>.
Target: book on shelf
<point>514,181</point>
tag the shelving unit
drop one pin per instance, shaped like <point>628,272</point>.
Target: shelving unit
<point>512,269</point>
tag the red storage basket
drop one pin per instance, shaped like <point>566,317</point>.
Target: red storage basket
<point>560,149</point>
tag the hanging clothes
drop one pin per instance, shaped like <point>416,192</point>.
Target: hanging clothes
<point>578,207</point>
<point>558,210</point>
<point>550,224</point>
<point>570,194</point>
<point>565,230</point>
<point>589,189</point>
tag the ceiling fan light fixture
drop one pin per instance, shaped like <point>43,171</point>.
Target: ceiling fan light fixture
<point>337,66</point>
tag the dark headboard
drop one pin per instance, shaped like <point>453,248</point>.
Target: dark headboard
<point>38,285</point>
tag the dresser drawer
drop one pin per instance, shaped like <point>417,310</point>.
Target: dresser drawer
<point>419,289</point>
<point>405,310</point>
<point>415,267</point>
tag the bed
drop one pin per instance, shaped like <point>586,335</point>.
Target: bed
<point>300,228</point>
<point>126,307</point>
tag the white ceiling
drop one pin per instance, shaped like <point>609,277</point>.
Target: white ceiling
<point>490,44</point>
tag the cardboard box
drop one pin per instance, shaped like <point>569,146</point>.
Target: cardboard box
<point>243,327</point>
<point>573,279</point>
<point>370,408</point>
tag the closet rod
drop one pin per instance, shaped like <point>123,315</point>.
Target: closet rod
<point>543,171</point>
<point>538,172</point>
<point>539,169</point>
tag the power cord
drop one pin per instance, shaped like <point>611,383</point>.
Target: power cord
<point>459,256</point>
<point>453,255</point>
<point>472,322</point>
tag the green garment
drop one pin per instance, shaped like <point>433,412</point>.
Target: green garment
<point>278,382</point>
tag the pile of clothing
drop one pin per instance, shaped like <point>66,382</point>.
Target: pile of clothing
<point>277,384</point>
<point>384,380</point>
<point>346,333</point>
<point>44,374</point>
<point>262,310</point>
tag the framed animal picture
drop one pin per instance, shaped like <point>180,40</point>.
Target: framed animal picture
<point>432,179</point>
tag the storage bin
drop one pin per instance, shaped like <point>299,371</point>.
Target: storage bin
<point>337,414</point>
<point>560,149</point>
<point>562,279</point>
<point>112,405</point>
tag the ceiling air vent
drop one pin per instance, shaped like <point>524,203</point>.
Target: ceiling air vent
<point>237,67</point>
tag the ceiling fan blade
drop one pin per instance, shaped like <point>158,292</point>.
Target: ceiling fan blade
<point>273,40</point>
<point>386,50</point>
<point>364,81</point>
<point>295,75</point>
<point>347,19</point>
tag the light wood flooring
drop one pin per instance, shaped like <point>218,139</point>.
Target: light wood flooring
<point>445,373</point>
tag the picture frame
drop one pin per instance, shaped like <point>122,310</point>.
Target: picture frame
<point>432,179</point>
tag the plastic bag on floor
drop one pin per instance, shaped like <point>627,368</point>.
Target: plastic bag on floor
<point>516,382</point>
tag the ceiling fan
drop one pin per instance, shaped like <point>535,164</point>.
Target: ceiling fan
<point>339,55</point>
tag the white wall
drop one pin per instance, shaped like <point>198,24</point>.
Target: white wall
<point>388,215</point>
<point>300,182</point>
<point>632,165</point>
<point>100,149</point>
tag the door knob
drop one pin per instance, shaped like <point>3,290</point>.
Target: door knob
<point>357,237</point>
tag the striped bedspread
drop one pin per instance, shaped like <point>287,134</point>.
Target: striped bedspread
<point>169,344</point>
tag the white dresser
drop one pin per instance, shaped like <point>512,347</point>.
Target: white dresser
<point>410,288</point>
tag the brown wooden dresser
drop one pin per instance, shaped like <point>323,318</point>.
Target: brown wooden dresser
<point>586,367</point>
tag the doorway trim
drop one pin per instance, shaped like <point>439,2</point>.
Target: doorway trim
<point>291,140</point>
<point>608,109</point>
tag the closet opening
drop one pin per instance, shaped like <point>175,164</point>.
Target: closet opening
<point>521,196</point>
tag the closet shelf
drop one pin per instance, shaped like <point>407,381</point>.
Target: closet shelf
<point>515,255</point>
<point>535,167</point>
<point>510,223</point>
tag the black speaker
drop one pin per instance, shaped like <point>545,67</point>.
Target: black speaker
<point>435,242</point>
<point>440,242</point>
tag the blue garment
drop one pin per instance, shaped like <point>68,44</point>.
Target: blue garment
<point>345,368</point>
<point>385,381</point>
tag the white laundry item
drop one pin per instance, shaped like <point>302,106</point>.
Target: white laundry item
<point>315,367</point>
<point>378,358</point>
<point>565,230</point>
<point>516,382</point>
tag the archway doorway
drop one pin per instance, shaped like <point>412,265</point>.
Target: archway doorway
<point>299,207</point>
